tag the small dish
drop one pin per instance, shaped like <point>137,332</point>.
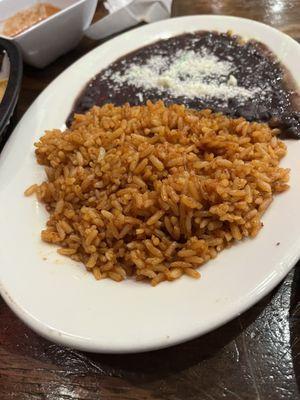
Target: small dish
<point>61,301</point>
<point>12,69</point>
<point>44,42</point>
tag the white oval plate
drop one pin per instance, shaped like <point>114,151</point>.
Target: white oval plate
<point>61,301</point>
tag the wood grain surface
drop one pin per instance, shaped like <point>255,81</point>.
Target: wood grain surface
<point>254,357</point>
<point>281,14</point>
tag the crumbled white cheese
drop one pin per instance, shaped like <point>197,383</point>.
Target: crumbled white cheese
<point>140,96</point>
<point>188,74</point>
<point>232,81</point>
<point>164,82</point>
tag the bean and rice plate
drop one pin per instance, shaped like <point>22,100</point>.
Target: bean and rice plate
<point>154,192</point>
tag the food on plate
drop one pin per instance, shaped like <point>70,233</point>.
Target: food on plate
<point>155,191</point>
<point>3,84</point>
<point>202,70</point>
<point>24,19</point>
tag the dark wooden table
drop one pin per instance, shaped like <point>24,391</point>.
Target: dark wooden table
<point>255,357</point>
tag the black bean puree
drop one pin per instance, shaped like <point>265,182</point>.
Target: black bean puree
<point>255,66</point>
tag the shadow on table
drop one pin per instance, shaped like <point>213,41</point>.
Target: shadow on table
<point>177,358</point>
<point>294,320</point>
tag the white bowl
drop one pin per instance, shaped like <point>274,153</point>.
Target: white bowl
<point>49,39</point>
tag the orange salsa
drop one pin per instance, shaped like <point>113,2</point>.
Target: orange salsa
<point>26,18</point>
